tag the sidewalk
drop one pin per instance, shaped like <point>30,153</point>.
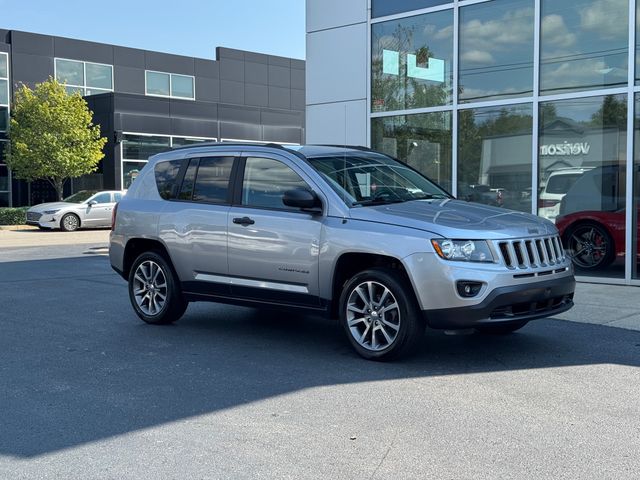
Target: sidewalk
<point>33,237</point>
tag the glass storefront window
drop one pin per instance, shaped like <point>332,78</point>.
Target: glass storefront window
<point>583,45</point>
<point>423,141</point>
<point>99,76</point>
<point>584,140</point>
<point>380,8</point>
<point>182,141</point>
<point>494,156</point>
<point>182,86</point>
<point>635,244</point>
<point>141,147</point>
<point>130,171</point>
<point>411,64</point>
<point>158,83</point>
<point>72,90</point>
<point>4,92</point>
<point>496,50</point>
<point>4,120</point>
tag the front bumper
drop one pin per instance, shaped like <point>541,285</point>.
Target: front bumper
<point>509,304</point>
<point>45,221</point>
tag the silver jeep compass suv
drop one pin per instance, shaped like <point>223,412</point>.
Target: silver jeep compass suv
<point>341,230</point>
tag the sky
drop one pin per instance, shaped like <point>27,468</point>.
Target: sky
<point>185,27</point>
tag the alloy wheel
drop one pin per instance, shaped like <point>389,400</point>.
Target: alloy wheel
<point>150,288</point>
<point>373,316</point>
<point>70,222</point>
<point>589,246</point>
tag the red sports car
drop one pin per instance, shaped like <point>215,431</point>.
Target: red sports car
<point>594,239</point>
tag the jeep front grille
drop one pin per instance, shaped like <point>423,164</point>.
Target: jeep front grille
<point>531,252</point>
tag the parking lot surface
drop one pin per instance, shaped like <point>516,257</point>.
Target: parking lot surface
<point>91,392</point>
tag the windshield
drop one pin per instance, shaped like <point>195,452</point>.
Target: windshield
<point>368,178</point>
<point>80,196</point>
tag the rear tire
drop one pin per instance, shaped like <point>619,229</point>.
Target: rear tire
<point>502,328</point>
<point>590,245</point>
<point>380,315</point>
<point>154,290</point>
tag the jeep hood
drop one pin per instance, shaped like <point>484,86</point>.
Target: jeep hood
<point>457,219</point>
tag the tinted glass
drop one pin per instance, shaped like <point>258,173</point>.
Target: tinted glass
<point>560,184</point>
<point>181,141</point>
<point>4,120</point>
<point>583,44</point>
<point>4,92</point>
<point>166,174</point>
<point>158,83</point>
<point>3,66</point>
<point>380,8</point>
<point>70,71</point>
<point>635,244</point>
<point>496,50</point>
<point>587,137</point>
<point>4,199</point>
<point>99,76</point>
<point>81,196</point>
<point>102,198</point>
<point>411,63</point>
<point>74,90</point>
<point>141,147</point>
<point>423,141</point>
<point>182,86</point>
<point>266,180</point>
<point>130,171</point>
<point>4,176</point>
<point>95,91</point>
<point>186,191</point>
<point>212,180</point>
<point>117,197</point>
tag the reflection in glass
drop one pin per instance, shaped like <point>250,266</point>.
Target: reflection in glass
<point>4,177</point>
<point>99,76</point>
<point>583,45</point>
<point>182,86</point>
<point>141,147</point>
<point>72,90</point>
<point>380,8</point>
<point>182,141</point>
<point>4,199</point>
<point>423,141</point>
<point>494,156</point>
<point>70,71</point>
<point>158,83</point>
<point>585,140</point>
<point>130,171</point>
<point>266,180</point>
<point>496,50</point>
<point>96,91</point>
<point>411,64</point>
<point>3,66</point>
<point>212,180</point>
<point>4,92</point>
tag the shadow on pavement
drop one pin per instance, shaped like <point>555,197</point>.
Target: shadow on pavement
<point>78,366</point>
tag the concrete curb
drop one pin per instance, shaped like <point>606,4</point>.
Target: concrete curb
<point>17,227</point>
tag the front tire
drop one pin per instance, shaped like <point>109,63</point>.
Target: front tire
<point>380,315</point>
<point>70,222</point>
<point>154,290</point>
<point>591,246</point>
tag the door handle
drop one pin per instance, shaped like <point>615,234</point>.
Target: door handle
<point>244,221</point>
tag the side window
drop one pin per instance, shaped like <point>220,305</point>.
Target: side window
<point>186,191</point>
<point>117,197</point>
<point>166,175</point>
<point>266,180</point>
<point>212,180</point>
<point>102,198</point>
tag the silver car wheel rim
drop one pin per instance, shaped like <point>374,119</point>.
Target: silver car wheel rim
<point>373,316</point>
<point>70,222</point>
<point>150,288</point>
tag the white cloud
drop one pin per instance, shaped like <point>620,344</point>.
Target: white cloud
<point>555,33</point>
<point>478,56</point>
<point>513,28</point>
<point>606,18</point>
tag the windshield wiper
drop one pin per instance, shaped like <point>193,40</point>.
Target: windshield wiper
<point>377,201</point>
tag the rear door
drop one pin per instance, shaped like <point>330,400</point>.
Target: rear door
<point>273,249</point>
<point>98,214</point>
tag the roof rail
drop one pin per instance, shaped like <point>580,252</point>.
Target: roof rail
<point>352,147</point>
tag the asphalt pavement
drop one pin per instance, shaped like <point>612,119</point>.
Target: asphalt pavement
<point>90,392</point>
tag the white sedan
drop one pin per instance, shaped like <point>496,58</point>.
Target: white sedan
<point>85,209</point>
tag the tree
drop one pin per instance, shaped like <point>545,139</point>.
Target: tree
<point>52,135</point>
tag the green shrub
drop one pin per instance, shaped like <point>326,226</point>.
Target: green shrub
<point>13,216</point>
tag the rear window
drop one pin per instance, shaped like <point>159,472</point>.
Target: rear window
<point>166,178</point>
<point>561,183</point>
<point>212,180</point>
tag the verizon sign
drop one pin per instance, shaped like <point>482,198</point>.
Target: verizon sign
<point>565,149</point>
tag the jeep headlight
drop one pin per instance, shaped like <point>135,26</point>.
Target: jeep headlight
<point>463,250</point>
<point>51,212</point>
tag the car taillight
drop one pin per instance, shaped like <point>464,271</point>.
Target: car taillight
<point>547,203</point>
<point>113,216</point>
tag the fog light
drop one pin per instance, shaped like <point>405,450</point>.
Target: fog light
<point>468,289</point>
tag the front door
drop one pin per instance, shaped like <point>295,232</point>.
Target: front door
<point>273,249</point>
<point>98,214</point>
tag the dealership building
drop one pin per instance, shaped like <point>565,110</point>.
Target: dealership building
<point>146,102</point>
<point>532,105</point>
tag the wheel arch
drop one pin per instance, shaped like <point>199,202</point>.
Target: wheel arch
<point>137,246</point>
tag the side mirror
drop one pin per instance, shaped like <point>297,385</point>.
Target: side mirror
<point>92,203</point>
<point>302,198</point>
